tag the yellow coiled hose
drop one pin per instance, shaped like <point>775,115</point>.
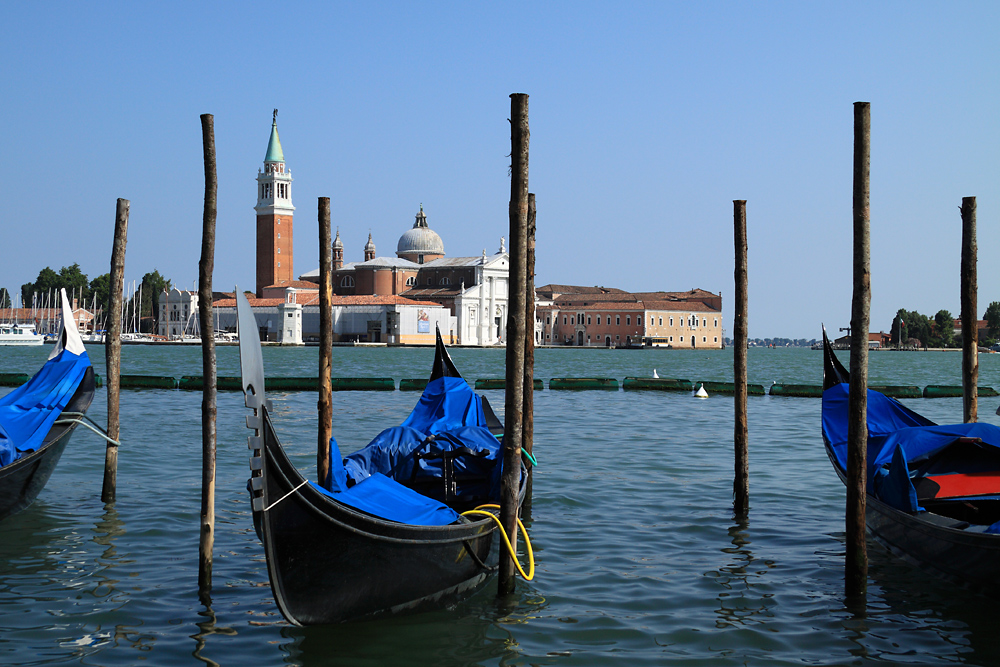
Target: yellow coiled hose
<point>480,511</point>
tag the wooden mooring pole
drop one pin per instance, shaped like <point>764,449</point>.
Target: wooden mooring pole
<point>528,430</point>
<point>856,562</point>
<point>208,403</point>
<point>325,404</point>
<point>741,479</point>
<point>514,394</point>
<point>113,350</point>
<point>970,320</point>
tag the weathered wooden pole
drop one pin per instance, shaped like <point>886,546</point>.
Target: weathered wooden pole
<point>514,394</point>
<point>325,403</point>
<point>856,564</point>
<point>741,480</point>
<point>970,318</point>
<point>208,405</point>
<point>528,426</point>
<point>113,350</point>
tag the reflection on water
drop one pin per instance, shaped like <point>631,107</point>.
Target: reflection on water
<point>638,558</point>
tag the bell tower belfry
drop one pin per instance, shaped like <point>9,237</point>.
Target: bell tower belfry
<point>274,216</point>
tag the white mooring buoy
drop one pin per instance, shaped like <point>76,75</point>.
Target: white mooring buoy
<point>701,393</point>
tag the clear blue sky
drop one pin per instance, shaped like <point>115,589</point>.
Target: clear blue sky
<point>647,120</point>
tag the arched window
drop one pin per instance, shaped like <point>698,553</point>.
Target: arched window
<point>445,281</point>
<point>412,280</point>
<point>347,281</point>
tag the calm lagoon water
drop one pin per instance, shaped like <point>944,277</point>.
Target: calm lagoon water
<point>639,558</point>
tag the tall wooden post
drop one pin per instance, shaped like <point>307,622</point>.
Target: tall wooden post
<point>741,480</point>
<point>856,565</point>
<point>528,427</point>
<point>113,350</point>
<point>970,318</point>
<point>325,403</point>
<point>208,404</point>
<point>514,395</point>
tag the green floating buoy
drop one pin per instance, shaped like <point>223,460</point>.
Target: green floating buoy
<point>953,391</point>
<point>583,383</point>
<point>657,384</point>
<point>362,384</point>
<point>147,382</point>
<point>897,391</point>
<point>413,384</point>
<point>13,379</point>
<point>802,390</point>
<point>730,388</point>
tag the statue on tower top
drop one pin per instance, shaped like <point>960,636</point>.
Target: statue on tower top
<point>275,117</point>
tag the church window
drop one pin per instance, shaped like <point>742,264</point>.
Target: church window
<point>347,281</point>
<point>445,281</point>
<point>411,281</point>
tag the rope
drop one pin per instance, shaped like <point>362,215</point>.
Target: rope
<point>479,511</point>
<point>82,419</point>
<point>272,505</point>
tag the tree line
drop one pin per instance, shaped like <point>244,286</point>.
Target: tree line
<point>912,329</point>
<point>94,293</point>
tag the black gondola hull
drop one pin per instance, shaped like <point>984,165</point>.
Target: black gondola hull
<point>22,480</point>
<point>328,563</point>
<point>929,541</point>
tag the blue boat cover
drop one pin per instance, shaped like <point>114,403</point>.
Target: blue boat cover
<point>893,427</point>
<point>28,412</point>
<point>449,416</point>
<point>382,497</point>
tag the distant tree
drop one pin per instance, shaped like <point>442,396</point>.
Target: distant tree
<point>912,325</point>
<point>4,298</point>
<point>75,281</point>
<point>992,318</point>
<point>153,284</point>
<point>48,281</point>
<point>944,329</point>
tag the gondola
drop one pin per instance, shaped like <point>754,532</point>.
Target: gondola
<point>383,535</point>
<point>38,418</point>
<point>933,491</point>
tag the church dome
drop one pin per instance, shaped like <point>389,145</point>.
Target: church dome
<point>420,239</point>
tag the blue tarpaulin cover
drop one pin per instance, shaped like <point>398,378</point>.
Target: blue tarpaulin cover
<point>891,427</point>
<point>448,416</point>
<point>28,412</point>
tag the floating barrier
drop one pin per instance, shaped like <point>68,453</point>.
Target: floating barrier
<point>501,383</point>
<point>13,379</point>
<point>952,391</point>
<point>362,384</point>
<point>657,384</point>
<point>147,382</point>
<point>291,384</point>
<point>222,383</point>
<point>897,391</point>
<point>730,388</point>
<point>583,383</point>
<point>412,384</point>
<point>803,390</point>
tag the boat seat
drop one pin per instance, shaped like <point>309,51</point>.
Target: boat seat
<point>958,485</point>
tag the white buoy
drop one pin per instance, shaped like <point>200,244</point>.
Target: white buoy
<point>701,393</point>
<point>654,373</point>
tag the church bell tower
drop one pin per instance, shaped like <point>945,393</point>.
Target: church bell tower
<point>274,216</point>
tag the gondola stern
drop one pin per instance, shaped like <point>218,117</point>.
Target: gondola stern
<point>834,372</point>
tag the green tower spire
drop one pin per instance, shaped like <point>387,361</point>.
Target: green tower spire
<point>274,153</point>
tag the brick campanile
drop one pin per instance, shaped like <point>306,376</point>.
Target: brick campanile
<point>274,216</point>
